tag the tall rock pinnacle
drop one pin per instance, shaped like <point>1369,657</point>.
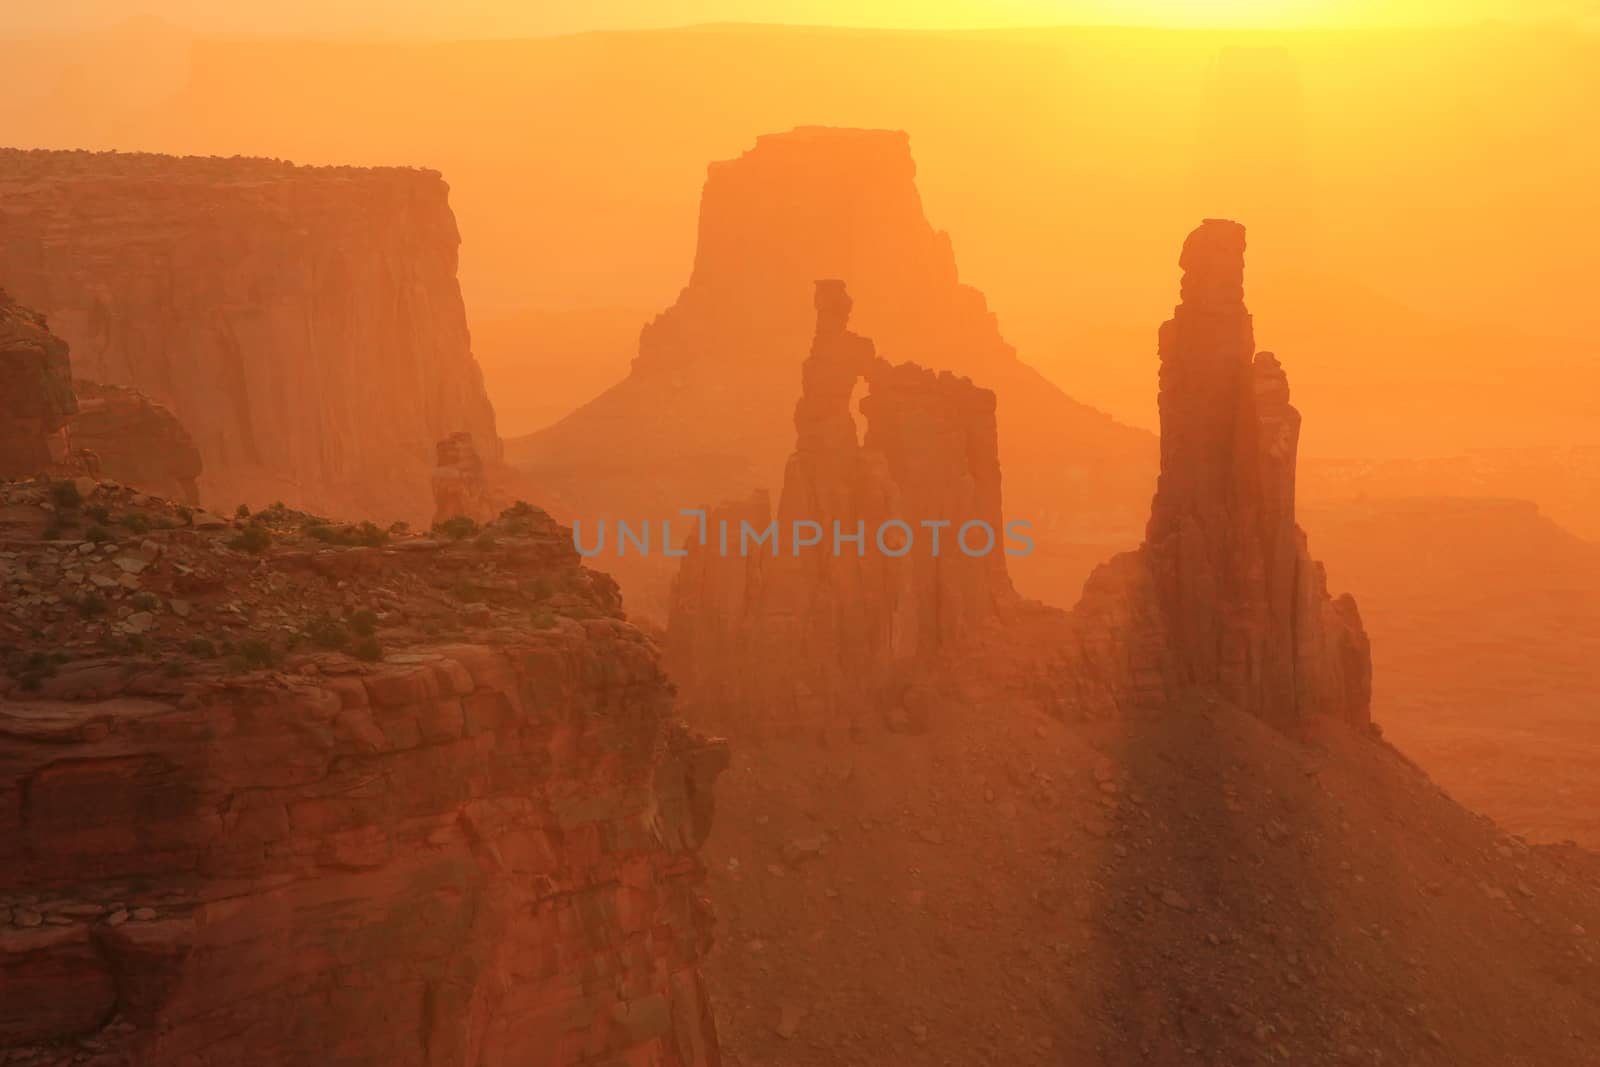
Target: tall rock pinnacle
<point>1247,608</point>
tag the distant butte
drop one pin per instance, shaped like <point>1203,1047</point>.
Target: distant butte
<point>703,414</point>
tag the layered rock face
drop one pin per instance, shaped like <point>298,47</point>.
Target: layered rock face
<point>827,633</point>
<point>1247,608</point>
<point>303,323</point>
<point>36,397</point>
<point>702,415</point>
<point>473,840</point>
<point>126,437</point>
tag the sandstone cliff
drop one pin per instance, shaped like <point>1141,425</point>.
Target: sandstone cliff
<point>126,437</point>
<point>280,792</point>
<point>303,323</point>
<point>36,398</point>
<point>703,413</point>
<point>830,633</point>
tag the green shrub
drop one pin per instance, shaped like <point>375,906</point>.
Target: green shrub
<point>367,648</point>
<point>364,623</point>
<point>253,539</point>
<point>458,528</point>
<point>98,534</point>
<point>199,646</point>
<point>256,653</point>
<point>136,522</point>
<point>99,513</point>
<point>242,511</point>
<point>145,601</point>
<point>368,534</point>
<point>66,495</point>
<point>92,604</point>
<point>327,633</point>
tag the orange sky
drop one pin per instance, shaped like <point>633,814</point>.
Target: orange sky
<point>537,17</point>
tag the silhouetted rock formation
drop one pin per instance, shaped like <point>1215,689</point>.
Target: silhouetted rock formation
<point>431,832</point>
<point>126,437</point>
<point>1247,608</point>
<point>702,414</point>
<point>824,635</point>
<point>36,398</point>
<point>303,323</point>
<point>1222,597</point>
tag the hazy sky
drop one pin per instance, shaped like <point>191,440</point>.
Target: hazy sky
<point>456,18</point>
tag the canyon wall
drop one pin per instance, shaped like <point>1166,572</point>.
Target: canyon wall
<point>36,398</point>
<point>233,831</point>
<point>304,324</point>
<point>852,596</point>
<point>703,414</point>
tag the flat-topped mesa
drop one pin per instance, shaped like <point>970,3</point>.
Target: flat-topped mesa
<point>1247,609</point>
<point>304,323</point>
<point>822,637</point>
<point>703,414</point>
<point>36,398</point>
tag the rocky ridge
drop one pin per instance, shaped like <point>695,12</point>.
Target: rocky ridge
<point>280,790</point>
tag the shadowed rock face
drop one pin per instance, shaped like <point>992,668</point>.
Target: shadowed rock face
<point>828,634</point>
<point>303,323</point>
<point>36,397</point>
<point>126,437</point>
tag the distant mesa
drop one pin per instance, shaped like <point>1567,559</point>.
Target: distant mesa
<point>303,323</point>
<point>703,414</point>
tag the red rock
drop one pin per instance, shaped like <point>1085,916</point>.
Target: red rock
<point>126,437</point>
<point>36,398</point>
<point>303,323</point>
<point>827,636</point>
<point>702,415</point>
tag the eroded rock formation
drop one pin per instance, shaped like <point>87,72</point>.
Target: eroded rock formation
<point>36,397</point>
<point>703,413</point>
<point>460,483</point>
<point>833,632</point>
<point>1247,608</point>
<point>126,437</point>
<point>1222,598</point>
<point>304,323</point>
<point>315,810</point>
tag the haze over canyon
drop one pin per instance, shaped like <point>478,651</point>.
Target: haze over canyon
<point>1254,349</point>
